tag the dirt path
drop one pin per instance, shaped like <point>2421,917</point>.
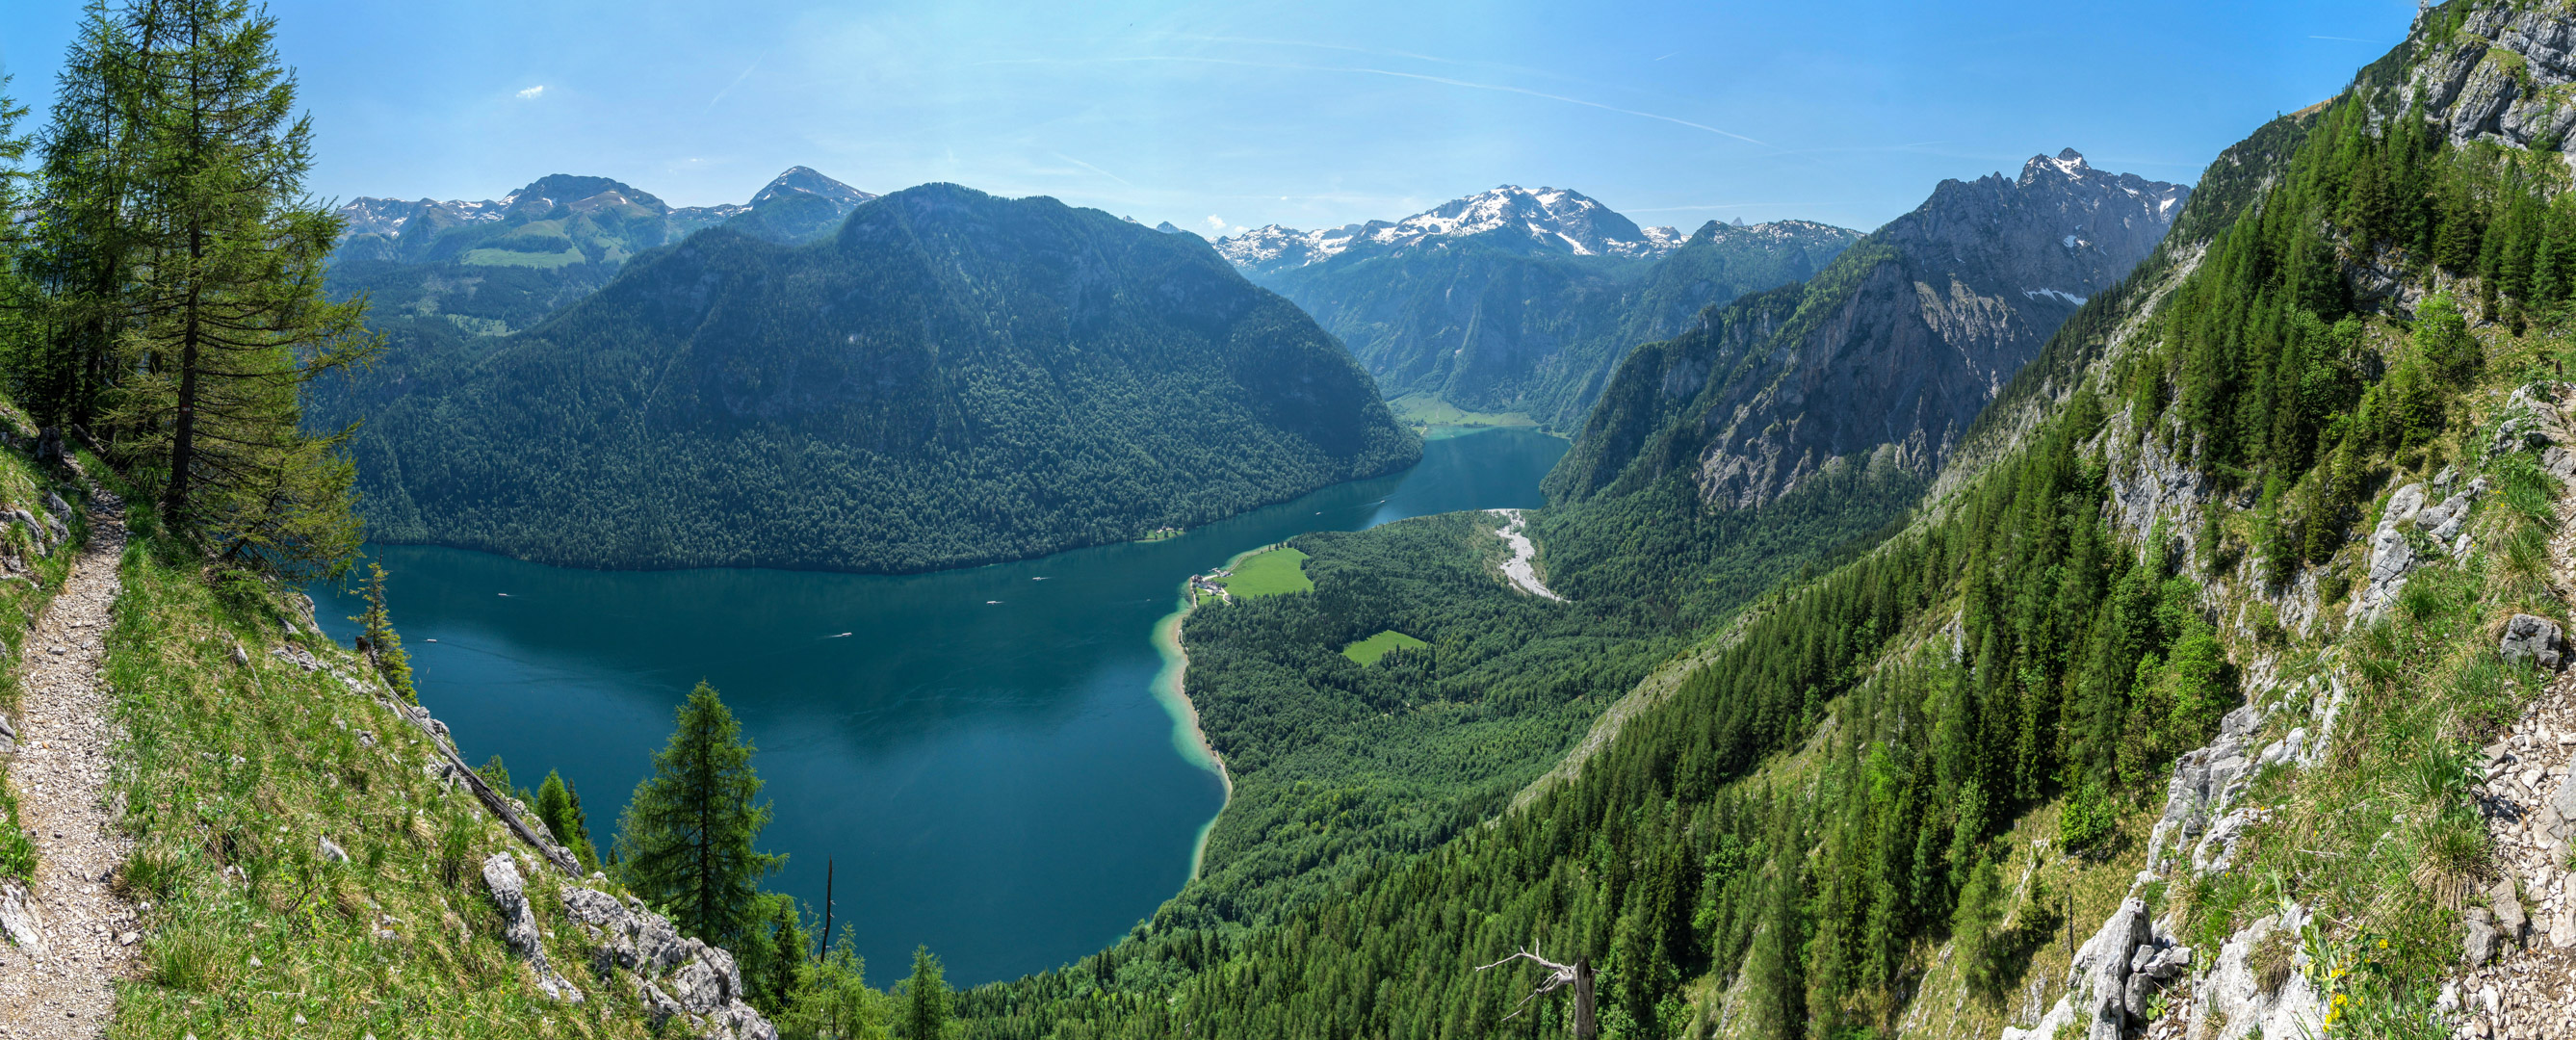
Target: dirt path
<point>1522,568</point>
<point>63,985</point>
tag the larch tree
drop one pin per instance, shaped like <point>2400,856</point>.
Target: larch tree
<point>78,259</point>
<point>16,299</point>
<point>928,1008</point>
<point>560,807</point>
<point>686,841</point>
<point>228,320</point>
<point>382,645</point>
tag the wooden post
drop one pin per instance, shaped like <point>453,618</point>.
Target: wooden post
<point>827,905</point>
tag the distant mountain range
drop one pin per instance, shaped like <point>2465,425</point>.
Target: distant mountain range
<point>460,268</point>
<point>950,378</point>
<point>1514,300</point>
<point>1551,218</point>
<point>1889,353</point>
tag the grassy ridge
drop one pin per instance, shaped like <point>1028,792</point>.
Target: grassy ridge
<point>232,776</point>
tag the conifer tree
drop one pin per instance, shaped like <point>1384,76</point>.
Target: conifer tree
<point>383,646</point>
<point>81,256</point>
<point>560,808</point>
<point>926,1003</point>
<point>229,320</point>
<point>775,953</point>
<point>686,841</point>
<point>832,999</point>
<point>16,299</point>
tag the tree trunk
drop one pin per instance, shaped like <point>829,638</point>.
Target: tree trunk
<point>1585,1027</point>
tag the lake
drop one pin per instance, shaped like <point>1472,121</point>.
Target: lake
<point>980,752</point>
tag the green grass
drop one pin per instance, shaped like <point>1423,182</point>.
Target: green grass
<point>233,774</point>
<point>1431,410</point>
<point>1368,650</point>
<point>1268,574</point>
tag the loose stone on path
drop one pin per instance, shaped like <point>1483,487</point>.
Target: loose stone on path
<point>63,985</point>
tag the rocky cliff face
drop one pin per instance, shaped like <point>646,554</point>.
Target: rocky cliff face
<point>2493,72</point>
<point>1895,347</point>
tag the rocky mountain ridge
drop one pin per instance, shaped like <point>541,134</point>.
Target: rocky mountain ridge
<point>388,217</point>
<point>1551,219</point>
<point>1889,354</point>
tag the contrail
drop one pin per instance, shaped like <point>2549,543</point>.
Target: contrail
<point>1094,169</point>
<point>737,81</point>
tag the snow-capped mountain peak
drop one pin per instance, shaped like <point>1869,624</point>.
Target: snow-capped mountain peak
<point>1556,218</point>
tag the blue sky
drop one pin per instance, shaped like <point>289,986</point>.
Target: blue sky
<point>1309,113</point>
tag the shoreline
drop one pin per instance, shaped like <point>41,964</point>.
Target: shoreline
<point>1171,688</point>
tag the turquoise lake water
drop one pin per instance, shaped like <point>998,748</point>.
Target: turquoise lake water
<point>980,752</point>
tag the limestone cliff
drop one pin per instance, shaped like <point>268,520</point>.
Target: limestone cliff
<point>1891,351</point>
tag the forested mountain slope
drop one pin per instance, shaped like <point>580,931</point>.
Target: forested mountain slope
<point>2224,610</point>
<point>1519,301</point>
<point>952,378</point>
<point>1893,349</point>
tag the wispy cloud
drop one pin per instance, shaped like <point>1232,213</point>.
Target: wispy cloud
<point>531,93</point>
<point>737,81</point>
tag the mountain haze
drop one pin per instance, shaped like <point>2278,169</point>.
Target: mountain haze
<point>951,378</point>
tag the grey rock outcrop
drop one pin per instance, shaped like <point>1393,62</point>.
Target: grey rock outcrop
<point>2152,969</point>
<point>672,976</point>
<point>2204,781</point>
<point>519,926</point>
<point>2392,555</point>
<point>2097,982</point>
<point>2490,79</point>
<point>2233,992</point>
<point>2531,639</point>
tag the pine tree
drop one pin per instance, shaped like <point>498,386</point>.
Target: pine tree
<point>926,1002</point>
<point>560,808</point>
<point>685,843</point>
<point>229,319</point>
<point>379,641</point>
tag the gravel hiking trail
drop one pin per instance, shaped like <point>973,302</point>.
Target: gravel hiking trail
<point>63,984</point>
